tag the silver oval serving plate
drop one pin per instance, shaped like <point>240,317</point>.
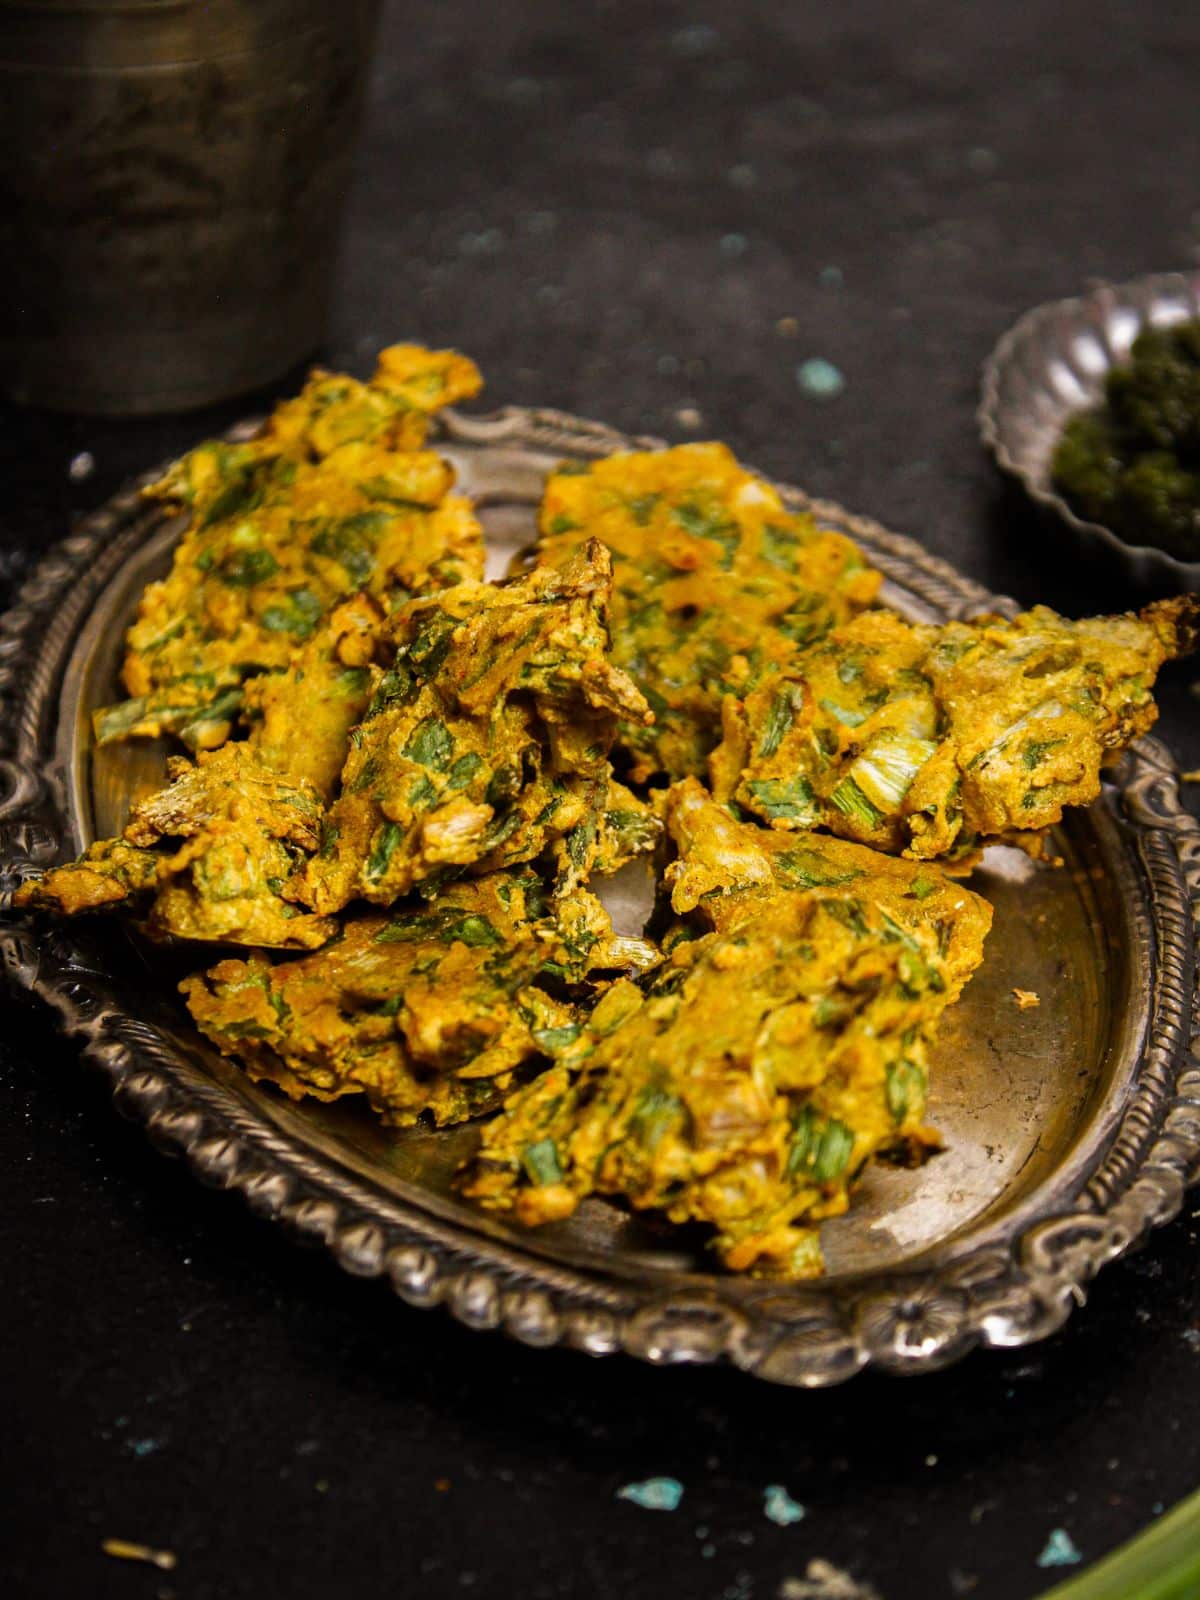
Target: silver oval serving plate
<point>1053,363</point>
<point>1070,1129</point>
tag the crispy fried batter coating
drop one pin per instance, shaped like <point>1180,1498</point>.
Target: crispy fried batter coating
<point>212,853</point>
<point>300,719</point>
<point>431,1008</point>
<point>765,1062</point>
<point>334,496</point>
<point>923,740</point>
<point>487,740</point>
<point>715,583</point>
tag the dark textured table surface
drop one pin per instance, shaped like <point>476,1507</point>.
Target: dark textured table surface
<point>652,214</point>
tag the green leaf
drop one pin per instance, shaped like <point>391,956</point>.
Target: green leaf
<point>541,1163</point>
<point>244,568</point>
<point>642,508</point>
<point>430,745</point>
<point>113,722</point>
<point>563,524</point>
<point>475,931</point>
<point>463,770</point>
<point>853,803</point>
<point>780,546</point>
<point>806,869</point>
<point>804,1137</point>
<point>848,716</point>
<point>905,1088</point>
<point>1035,750</point>
<point>297,614</point>
<point>653,1115</point>
<point>552,1040</point>
<point>790,799</point>
<point>833,1152</point>
<point>850,913</point>
<point>786,702</point>
<point>714,525</point>
<point>394,688</point>
<point>218,712</point>
<point>383,847</point>
<point>351,541</point>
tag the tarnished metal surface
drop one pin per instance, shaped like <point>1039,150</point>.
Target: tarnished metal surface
<point>1053,363</point>
<point>1070,1128</point>
<point>173,177</point>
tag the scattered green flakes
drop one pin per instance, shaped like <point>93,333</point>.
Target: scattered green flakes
<point>780,1508</point>
<point>820,378</point>
<point>1060,1551</point>
<point>653,1494</point>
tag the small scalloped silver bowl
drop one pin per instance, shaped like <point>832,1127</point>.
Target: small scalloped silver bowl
<point>1052,364</point>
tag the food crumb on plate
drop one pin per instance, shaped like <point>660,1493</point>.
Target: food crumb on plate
<point>126,1550</point>
<point>1060,1551</point>
<point>1026,999</point>
<point>653,1494</point>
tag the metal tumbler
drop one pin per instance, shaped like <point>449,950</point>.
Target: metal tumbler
<point>170,193</point>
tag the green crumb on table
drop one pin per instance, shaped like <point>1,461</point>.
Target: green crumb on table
<point>820,378</point>
<point>653,1494</point>
<point>1060,1551</point>
<point>779,1507</point>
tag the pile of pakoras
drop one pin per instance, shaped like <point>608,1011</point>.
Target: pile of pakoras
<point>404,781</point>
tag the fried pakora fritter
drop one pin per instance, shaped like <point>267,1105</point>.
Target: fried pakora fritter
<point>925,739</point>
<point>300,719</point>
<point>765,1062</point>
<point>429,1009</point>
<point>715,584</point>
<point>209,858</point>
<point>335,496</point>
<point>485,743</point>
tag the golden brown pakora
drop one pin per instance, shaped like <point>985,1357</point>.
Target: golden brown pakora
<point>300,718</point>
<point>716,582</point>
<point>764,1063</point>
<point>431,1008</point>
<point>335,495</point>
<point>485,743</point>
<point>209,857</point>
<point>925,739</point>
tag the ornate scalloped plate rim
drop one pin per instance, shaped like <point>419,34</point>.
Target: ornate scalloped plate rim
<point>1002,1294</point>
<point>1148,559</point>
